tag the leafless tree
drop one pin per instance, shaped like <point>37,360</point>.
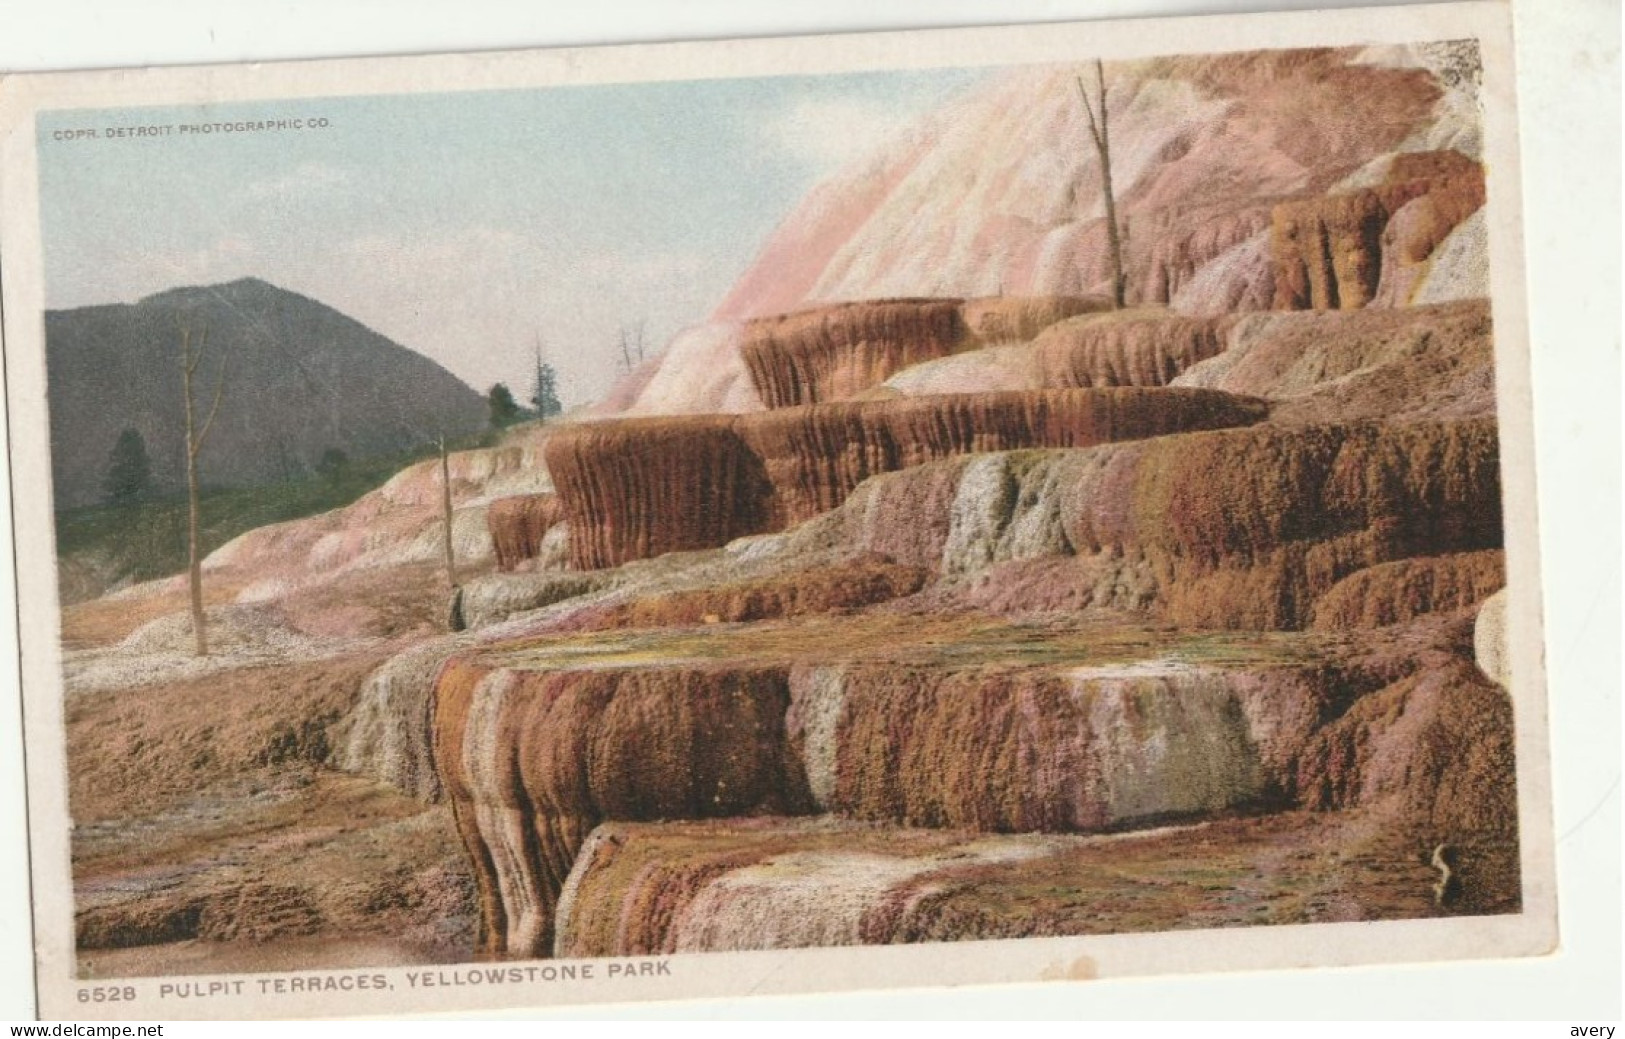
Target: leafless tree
<point>454,619</point>
<point>446,514</point>
<point>193,349</point>
<point>632,346</point>
<point>1099,131</point>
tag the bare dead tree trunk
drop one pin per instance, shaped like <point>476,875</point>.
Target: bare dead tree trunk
<point>454,611</point>
<point>195,436</point>
<point>626,351</point>
<point>445,514</point>
<point>1100,132</point>
<point>194,555</point>
<point>633,348</point>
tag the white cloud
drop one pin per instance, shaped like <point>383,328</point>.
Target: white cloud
<point>634,268</point>
<point>828,128</point>
<point>300,182</point>
<point>833,131</point>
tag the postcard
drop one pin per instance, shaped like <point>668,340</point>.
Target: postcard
<point>771,516</point>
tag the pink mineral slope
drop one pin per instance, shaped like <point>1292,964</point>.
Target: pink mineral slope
<point>1006,198</point>
<point>997,193</point>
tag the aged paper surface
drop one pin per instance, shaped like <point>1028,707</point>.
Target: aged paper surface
<point>959,626</point>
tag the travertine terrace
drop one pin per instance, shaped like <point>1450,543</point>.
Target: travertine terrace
<point>920,595</point>
<point>1056,593</point>
<point>637,488</point>
<point>916,652</point>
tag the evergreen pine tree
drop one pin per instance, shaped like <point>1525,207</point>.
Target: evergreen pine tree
<point>505,411</point>
<point>544,397</point>
<point>129,471</point>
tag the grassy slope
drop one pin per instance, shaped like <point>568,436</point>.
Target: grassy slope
<point>102,545</point>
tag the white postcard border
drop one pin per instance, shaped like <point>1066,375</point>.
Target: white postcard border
<point>733,974</point>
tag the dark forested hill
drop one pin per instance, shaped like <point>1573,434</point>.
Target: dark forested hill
<point>300,379</point>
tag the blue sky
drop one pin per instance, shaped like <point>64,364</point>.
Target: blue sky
<point>465,225</point>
